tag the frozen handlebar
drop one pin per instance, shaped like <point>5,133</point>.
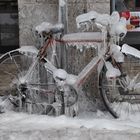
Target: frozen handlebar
<point>86,17</point>
<point>92,17</point>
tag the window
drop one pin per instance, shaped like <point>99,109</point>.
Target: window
<point>122,5</point>
<point>130,9</point>
<point>9,32</point>
<point>137,4</point>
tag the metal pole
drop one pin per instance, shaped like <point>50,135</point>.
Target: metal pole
<point>112,6</point>
<point>63,18</point>
<point>63,14</point>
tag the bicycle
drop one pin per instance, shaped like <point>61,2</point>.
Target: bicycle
<point>40,87</point>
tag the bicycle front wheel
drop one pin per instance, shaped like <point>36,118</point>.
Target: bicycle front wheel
<point>26,83</point>
<point>121,95</point>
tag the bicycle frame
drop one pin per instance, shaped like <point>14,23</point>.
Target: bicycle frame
<point>80,79</point>
<point>82,76</point>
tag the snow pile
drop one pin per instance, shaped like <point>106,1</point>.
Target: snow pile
<point>18,121</point>
<point>35,127</point>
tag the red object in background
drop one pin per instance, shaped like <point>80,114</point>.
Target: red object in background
<point>134,20</point>
<point>125,14</point>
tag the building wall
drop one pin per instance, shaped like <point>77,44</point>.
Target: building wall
<point>33,12</point>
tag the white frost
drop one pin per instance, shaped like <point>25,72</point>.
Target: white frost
<point>81,40</point>
<point>90,36</point>
<point>37,127</point>
<point>71,79</point>
<point>115,50</point>
<point>30,49</point>
<point>87,17</point>
<point>44,26</point>
<point>111,71</point>
<point>24,122</point>
<point>103,19</point>
<point>47,27</point>
<point>130,50</point>
<point>114,18</point>
<point>62,3</point>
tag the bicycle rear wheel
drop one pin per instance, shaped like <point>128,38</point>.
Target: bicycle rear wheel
<point>32,92</point>
<point>120,95</point>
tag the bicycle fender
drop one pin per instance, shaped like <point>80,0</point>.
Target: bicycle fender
<point>130,50</point>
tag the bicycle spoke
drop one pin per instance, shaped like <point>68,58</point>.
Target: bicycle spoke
<point>12,58</point>
<point>120,98</point>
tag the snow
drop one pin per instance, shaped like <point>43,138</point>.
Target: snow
<point>103,19</point>
<point>119,28</point>
<point>12,120</point>
<point>111,71</point>
<point>71,79</point>
<point>115,17</point>
<point>47,27</point>
<point>44,26</point>
<point>83,36</point>
<point>116,52</point>
<point>13,125</point>
<point>130,50</point>
<point>62,3</point>
<point>30,49</point>
<point>87,17</point>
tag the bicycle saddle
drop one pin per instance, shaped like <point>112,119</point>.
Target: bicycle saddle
<point>48,27</point>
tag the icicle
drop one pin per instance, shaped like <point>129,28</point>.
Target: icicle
<point>81,49</point>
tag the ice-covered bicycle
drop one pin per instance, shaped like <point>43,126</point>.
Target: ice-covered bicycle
<point>31,81</point>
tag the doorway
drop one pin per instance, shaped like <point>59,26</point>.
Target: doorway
<point>9,28</point>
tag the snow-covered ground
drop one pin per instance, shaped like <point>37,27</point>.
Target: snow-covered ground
<point>93,126</point>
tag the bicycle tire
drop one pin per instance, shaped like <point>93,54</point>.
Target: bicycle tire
<point>119,101</point>
<point>13,68</point>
